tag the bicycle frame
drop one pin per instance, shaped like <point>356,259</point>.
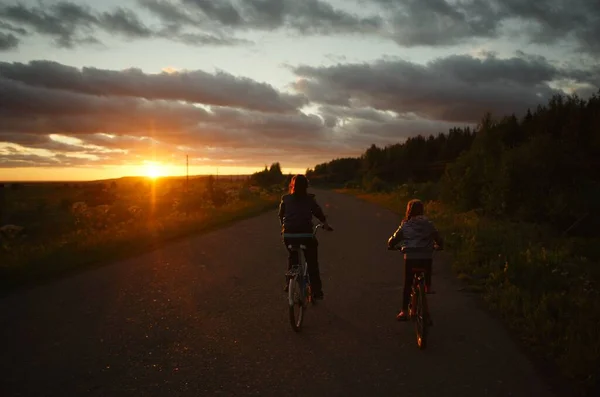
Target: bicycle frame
<point>302,268</point>
<point>418,281</point>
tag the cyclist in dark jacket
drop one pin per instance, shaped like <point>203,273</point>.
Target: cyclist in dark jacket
<point>296,211</point>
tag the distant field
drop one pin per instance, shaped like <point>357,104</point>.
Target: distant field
<point>47,228</point>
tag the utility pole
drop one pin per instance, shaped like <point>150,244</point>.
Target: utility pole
<point>187,173</point>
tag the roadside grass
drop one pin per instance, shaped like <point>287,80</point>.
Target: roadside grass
<point>68,235</point>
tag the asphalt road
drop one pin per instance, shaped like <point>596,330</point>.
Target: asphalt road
<point>207,316</point>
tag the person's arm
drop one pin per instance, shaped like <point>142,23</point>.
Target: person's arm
<point>281,211</point>
<point>396,237</point>
<point>317,211</point>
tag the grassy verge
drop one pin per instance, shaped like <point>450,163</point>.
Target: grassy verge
<point>28,264</point>
<point>544,286</point>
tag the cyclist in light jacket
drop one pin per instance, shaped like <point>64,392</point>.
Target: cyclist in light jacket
<point>418,237</point>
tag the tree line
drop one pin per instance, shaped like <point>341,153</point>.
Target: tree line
<point>543,167</point>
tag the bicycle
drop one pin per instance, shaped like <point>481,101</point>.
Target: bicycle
<point>299,288</point>
<point>418,309</point>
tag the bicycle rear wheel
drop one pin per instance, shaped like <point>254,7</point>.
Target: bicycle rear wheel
<point>296,303</point>
<point>421,326</point>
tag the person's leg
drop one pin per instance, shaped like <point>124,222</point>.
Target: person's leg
<point>292,260</point>
<point>312,259</point>
<point>408,265</point>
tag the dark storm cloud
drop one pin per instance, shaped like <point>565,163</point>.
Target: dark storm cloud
<point>220,89</point>
<point>456,88</point>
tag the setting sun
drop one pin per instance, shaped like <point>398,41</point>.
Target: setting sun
<point>154,170</point>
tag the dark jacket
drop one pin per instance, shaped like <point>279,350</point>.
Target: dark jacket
<point>296,213</point>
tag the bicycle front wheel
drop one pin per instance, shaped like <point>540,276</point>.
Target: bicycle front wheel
<point>421,318</point>
<point>296,303</point>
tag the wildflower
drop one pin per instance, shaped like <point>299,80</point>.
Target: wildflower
<point>11,230</point>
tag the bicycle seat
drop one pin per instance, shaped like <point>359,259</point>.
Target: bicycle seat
<point>297,247</point>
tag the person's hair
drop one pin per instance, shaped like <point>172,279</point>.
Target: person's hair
<point>414,208</point>
<point>299,185</point>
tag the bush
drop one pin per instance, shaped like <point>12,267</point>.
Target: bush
<point>374,184</point>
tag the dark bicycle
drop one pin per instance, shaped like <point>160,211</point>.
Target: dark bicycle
<point>418,309</point>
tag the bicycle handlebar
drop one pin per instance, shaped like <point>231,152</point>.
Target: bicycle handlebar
<point>324,227</point>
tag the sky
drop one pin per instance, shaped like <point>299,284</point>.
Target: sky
<point>103,89</point>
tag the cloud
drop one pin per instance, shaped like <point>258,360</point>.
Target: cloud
<point>71,24</point>
<point>125,129</point>
<point>192,22</point>
<point>307,16</point>
<point>221,11</point>
<point>221,89</point>
<point>67,23</point>
<point>438,22</point>
<point>126,22</point>
<point>409,23</point>
<point>457,88</point>
<point>27,109</point>
<point>13,29</point>
<point>175,33</point>
<point>8,41</point>
<point>549,23</point>
<point>443,22</point>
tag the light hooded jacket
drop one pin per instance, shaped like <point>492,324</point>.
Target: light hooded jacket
<point>417,237</point>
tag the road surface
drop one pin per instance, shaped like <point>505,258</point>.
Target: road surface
<point>206,316</point>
